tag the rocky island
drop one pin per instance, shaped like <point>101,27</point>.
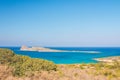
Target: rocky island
<point>43,49</point>
<point>40,49</point>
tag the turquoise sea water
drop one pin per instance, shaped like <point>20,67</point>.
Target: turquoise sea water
<point>71,57</point>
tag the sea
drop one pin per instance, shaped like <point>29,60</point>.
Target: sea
<point>82,54</point>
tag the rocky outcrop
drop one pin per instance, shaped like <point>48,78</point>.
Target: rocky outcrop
<point>24,48</point>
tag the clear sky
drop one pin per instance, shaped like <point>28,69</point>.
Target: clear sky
<point>60,23</point>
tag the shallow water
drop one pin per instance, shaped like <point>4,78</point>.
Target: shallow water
<point>84,56</point>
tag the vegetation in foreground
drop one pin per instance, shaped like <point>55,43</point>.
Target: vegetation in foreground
<point>23,64</point>
<point>12,66</point>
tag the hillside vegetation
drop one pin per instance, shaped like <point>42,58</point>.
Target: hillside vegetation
<point>23,65</point>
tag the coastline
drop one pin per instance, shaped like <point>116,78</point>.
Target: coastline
<point>108,59</point>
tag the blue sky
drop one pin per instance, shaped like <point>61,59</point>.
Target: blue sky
<point>60,23</point>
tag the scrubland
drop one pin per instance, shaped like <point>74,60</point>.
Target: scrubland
<point>18,67</point>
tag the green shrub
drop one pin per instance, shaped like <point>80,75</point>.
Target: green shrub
<point>6,56</point>
<point>24,64</point>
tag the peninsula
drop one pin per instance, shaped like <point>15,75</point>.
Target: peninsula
<point>108,59</point>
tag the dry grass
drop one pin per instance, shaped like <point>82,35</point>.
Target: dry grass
<point>65,72</point>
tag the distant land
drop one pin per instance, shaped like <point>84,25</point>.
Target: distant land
<point>108,59</point>
<point>40,49</point>
<point>43,49</point>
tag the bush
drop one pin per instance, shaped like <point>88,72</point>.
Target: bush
<point>24,64</point>
<point>6,56</point>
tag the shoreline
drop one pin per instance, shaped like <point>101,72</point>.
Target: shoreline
<point>108,59</point>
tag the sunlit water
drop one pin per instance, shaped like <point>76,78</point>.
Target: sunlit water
<point>84,56</point>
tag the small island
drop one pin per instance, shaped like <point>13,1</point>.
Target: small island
<point>40,49</point>
<point>43,49</point>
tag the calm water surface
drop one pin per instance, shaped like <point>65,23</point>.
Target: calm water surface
<point>71,57</point>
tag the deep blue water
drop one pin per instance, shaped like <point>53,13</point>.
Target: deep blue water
<point>71,57</point>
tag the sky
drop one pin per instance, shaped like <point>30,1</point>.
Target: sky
<point>78,23</point>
